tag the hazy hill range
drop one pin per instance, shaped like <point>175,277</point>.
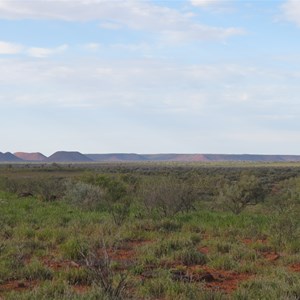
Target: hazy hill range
<point>251,157</point>
<point>8,157</point>
<point>146,157</point>
<point>117,157</point>
<point>74,156</point>
<point>36,156</point>
<point>176,157</point>
<point>66,156</point>
<point>192,157</point>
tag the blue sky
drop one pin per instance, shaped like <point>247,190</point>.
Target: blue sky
<point>186,76</point>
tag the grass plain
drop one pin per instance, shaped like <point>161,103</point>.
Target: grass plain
<point>150,231</point>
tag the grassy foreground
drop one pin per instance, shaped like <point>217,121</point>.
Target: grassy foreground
<point>149,232</point>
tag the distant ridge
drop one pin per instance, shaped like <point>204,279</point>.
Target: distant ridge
<point>67,156</point>
<point>36,156</point>
<point>116,157</point>
<point>252,157</point>
<point>75,156</point>
<point>9,157</point>
<point>192,157</point>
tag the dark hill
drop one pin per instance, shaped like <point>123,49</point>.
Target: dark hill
<point>66,156</point>
<point>31,156</point>
<point>8,157</point>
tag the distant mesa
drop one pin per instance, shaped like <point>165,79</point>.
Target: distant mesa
<point>175,157</point>
<point>36,156</point>
<point>116,157</point>
<point>9,157</point>
<point>77,157</point>
<point>146,157</point>
<point>67,156</point>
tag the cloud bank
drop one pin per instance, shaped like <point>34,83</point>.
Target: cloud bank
<point>291,11</point>
<point>10,48</point>
<point>7,48</point>
<point>113,15</point>
<point>205,3</point>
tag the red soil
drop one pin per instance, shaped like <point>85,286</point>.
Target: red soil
<point>17,285</point>
<point>271,256</point>
<point>226,281</point>
<point>81,289</point>
<point>204,250</point>
<point>251,241</point>
<point>295,267</point>
<point>56,265</point>
<point>127,251</point>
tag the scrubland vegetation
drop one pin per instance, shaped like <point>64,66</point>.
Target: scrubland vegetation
<point>150,231</point>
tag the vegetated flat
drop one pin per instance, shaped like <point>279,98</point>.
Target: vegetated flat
<point>150,231</point>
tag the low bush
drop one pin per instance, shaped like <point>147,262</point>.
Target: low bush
<point>190,256</point>
<point>85,196</point>
<point>167,196</point>
<point>35,270</point>
<point>74,248</point>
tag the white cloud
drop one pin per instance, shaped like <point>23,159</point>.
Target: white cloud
<point>10,48</point>
<point>149,85</point>
<point>291,11</point>
<point>92,46</point>
<point>199,32</point>
<point>110,25</point>
<point>132,47</point>
<point>136,15</point>
<point>13,49</point>
<point>196,102</point>
<point>45,52</point>
<point>204,3</point>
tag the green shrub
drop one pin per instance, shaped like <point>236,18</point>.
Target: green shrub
<point>167,225</point>
<point>48,290</point>
<point>279,285</point>
<point>223,247</point>
<point>190,256</point>
<point>166,247</point>
<point>224,262</point>
<point>167,196</point>
<point>35,270</point>
<point>283,230</point>
<point>74,249</point>
<point>85,196</point>
<point>155,288</point>
<point>242,193</point>
<point>75,276</point>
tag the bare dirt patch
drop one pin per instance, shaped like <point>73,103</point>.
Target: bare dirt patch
<point>81,289</point>
<point>226,281</point>
<point>295,267</point>
<point>17,285</point>
<point>204,250</point>
<point>252,241</point>
<point>271,256</point>
<point>127,251</point>
<point>57,265</point>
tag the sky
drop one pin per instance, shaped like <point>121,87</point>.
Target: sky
<point>150,76</point>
